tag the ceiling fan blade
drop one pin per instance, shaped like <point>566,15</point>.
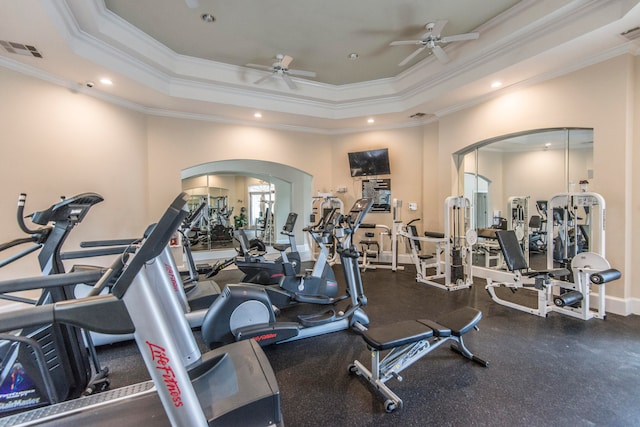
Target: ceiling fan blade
<point>268,76</point>
<point>413,55</point>
<point>288,81</point>
<point>438,26</point>
<point>460,37</point>
<point>440,54</point>
<point>302,73</point>
<point>261,67</point>
<point>404,42</point>
<point>286,60</point>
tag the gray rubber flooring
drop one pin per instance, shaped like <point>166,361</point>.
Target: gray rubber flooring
<point>554,371</point>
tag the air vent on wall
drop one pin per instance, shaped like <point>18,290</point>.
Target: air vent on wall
<point>20,49</point>
<point>631,34</point>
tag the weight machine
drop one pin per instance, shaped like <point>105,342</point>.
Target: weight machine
<point>518,215</point>
<point>453,248</point>
<point>392,233</point>
<point>565,290</point>
<point>576,223</point>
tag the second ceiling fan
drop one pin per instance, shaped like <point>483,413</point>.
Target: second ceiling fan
<point>432,40</point>
<point>281,67</point>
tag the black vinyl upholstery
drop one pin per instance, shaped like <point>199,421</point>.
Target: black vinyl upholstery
<point>511,249</point>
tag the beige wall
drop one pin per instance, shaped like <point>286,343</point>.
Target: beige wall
<point>405,161</point>
<point>176,144</point>
<point>432,204</point>
<point>59,142</point>
<point>56,142</point>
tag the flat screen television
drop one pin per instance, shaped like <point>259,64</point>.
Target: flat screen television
<point>369,163</point>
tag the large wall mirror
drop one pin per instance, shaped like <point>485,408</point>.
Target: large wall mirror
<point>508,179</point>
<point>252,195</point>
<point>229,202</point>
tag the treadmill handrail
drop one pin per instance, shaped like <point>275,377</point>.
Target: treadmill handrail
<point>154,244</point>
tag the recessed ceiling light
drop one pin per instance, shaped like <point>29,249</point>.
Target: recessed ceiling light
<point>207,17</point>
<point>371,121</point>
<point>353,56</point>
<point>496,84</point>
<point>106,81</point>
<point>257,115</point>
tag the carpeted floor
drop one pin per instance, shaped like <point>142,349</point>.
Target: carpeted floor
<point>554,371</point>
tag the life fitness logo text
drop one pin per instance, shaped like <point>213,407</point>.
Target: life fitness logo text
<point>172,276</point>
<point>265,337</point>
<point>159,355</point>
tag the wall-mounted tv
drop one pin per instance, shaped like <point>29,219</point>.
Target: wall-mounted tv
<point>369,163</point>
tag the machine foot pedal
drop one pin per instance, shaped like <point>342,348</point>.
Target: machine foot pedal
<point>317,318</point>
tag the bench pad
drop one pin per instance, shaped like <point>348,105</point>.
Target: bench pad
<point>461,321</point>
<point>396,334</point>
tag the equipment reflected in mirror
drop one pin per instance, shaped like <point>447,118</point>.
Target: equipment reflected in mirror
<point>510,181</point>
<point>221,204</point>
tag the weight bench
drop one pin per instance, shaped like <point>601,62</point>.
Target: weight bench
<point>407,342</point>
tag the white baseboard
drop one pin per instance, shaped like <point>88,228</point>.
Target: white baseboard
<point>622,306</point>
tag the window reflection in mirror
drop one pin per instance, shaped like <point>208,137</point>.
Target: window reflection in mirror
<point>508,180</point>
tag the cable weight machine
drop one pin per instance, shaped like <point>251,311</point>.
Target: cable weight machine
<point>450,265</point>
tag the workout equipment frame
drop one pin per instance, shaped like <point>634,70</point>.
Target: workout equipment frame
<point>571,298</point>
<point>393,233</point>
<point>517,220</point>
<point>320,204</point>
<point>453,249</point>
<point>572,225</point>
<point>248,311</point>
<point>409,341</point>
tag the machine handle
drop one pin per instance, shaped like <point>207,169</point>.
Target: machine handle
<point>21,201</point>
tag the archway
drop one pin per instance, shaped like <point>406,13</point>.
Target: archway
<point>293,186</point>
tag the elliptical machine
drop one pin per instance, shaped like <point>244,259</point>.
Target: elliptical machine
<point>79,373</point>
<point>247,311</point>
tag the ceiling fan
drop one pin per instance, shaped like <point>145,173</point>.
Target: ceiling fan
<point>281,67</point>
<point>432,40</point>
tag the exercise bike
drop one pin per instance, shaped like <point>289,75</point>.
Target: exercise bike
<point>248,311</point>
<point>257,268</point>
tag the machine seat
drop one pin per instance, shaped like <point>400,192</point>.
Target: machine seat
<point>281,247</point>
<point>394,335</point>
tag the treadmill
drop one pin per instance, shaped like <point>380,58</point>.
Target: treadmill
<point>229,386</point>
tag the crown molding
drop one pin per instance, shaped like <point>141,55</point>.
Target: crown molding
<point>99,35</point>
<point>95,33</point>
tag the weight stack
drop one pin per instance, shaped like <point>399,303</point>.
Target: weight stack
<point>457,269</point>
